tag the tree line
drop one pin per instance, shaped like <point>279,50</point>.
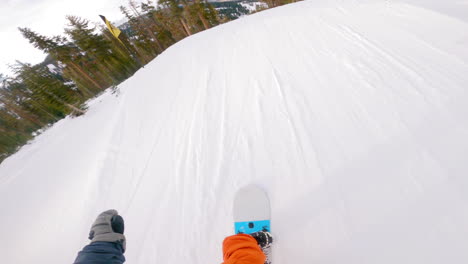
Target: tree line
<point>87,59</point>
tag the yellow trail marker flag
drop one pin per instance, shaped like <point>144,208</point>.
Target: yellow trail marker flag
<point>114,30</point>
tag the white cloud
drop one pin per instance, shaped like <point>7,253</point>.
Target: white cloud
<point>46,17</point>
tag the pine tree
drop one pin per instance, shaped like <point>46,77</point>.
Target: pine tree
<point>76,65</point>
<point>176,12</point>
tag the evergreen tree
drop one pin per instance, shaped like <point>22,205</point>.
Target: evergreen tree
<point>88,60</point>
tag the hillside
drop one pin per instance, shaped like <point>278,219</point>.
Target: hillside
<point>351,114</point>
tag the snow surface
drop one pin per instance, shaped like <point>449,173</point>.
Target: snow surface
<point>351,114</point>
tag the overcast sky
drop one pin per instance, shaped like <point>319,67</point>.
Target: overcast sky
<point>46,17</point>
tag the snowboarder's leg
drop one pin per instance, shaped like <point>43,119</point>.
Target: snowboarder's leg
<point>242,249</point>
<point>107,241</point>
<point>264,240</point>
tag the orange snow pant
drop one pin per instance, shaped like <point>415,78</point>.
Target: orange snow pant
<point>242,249</point>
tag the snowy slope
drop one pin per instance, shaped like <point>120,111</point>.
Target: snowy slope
<point>351,114</point>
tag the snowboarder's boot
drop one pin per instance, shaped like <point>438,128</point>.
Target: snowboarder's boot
<point>264,238</point>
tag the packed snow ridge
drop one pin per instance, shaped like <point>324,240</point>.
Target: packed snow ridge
<point>352,115</point>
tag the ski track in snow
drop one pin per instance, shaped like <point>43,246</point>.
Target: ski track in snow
<point>351,114</point>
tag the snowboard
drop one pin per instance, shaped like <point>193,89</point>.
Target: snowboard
<point>251,213</point>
